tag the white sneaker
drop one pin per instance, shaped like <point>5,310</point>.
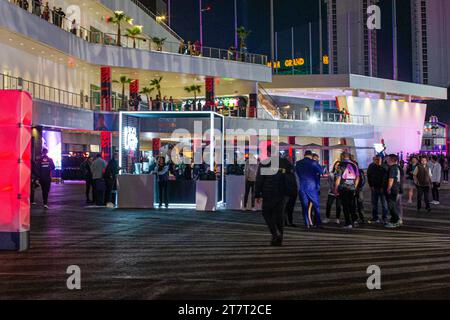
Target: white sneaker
<point>254,209</point>
<point>45,206</point>
<point>400,222</point>
<point>338,221</point>
<point>437,202</point>
<point>110,205</point>
<point>325,221</point>
<point>348,227</point>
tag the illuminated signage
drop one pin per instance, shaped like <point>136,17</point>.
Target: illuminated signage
<point>326,60</point>
<point>130,138</point>
<point>297,62</point>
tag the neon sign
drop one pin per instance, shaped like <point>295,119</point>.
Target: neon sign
<point>130,138</point>
<point>297,62</point>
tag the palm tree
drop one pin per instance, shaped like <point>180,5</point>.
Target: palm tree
<point>123,80</point>
<point>133,33</point>
<point>243,35</point>
<point>147,91</point>
<point>117,19</point>
<point>159,43</point>
<point>195,88</point>
<point>156,84</point>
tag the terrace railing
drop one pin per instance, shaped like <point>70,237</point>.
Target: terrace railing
<point>144,42</point>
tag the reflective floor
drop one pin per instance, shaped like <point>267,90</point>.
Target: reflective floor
<point>181,254</point>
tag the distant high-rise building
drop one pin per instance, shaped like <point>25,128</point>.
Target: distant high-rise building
<point>431,41</point>
<point>158,7</point>
<point>352,46</point>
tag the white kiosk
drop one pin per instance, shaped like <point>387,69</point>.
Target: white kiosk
<point>138,190</point>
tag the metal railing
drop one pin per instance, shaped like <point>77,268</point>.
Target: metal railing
<point>141,42</point>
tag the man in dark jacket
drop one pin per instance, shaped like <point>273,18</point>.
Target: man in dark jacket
<point>291,192</point>
<point>269,188</point>
<point>87,174</point>
<point>45,167</point>
<point>111,172</point>
<point>377,179</point>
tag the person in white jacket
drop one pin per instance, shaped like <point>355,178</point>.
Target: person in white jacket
<point>436,174</point>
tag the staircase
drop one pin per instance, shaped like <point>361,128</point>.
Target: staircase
<point>267,107</point>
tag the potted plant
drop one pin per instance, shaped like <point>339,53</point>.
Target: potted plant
<point>147,91</point>
<point>133,33</point>
<point>156,85</point>
<point>123,80</point>
<point>118,18</point>
<point>159,43</point>
<point>242,35</point>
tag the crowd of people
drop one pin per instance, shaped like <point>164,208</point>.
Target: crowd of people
<point>387,177</point>
<point>54,15</point>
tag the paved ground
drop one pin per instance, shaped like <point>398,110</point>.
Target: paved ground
<point>181,254</point>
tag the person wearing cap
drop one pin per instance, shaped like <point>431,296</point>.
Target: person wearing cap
<point>308,173</point>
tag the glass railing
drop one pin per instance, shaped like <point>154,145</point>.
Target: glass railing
<point>93,102</point>
<point>325,116</point>
<point>141,42</point>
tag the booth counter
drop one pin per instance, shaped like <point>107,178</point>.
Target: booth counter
<point>136,191</point>
<point>207,194</point>
<point>235,186</point>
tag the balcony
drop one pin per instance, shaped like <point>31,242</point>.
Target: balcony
<point>145,42</point>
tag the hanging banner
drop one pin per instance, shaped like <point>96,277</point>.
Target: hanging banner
<point>106,144</point>
<point>105,79</point>
<point>156,146</point>
<point>134,95</point>
<point>209,93</point>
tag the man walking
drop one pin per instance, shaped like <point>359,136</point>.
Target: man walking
<point>308,173</point>
<point>436,175</point>
<point>269,191</point>
<point>111,172</point>
<point>376,177</point>
<point>422,179</point>
<point>98,169</point>
<point>45,167</point>
<point>392,190</point>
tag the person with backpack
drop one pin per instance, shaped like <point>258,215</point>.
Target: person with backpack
<point>308,174</point>
<point>346,181</point>
<point>392,190</point>
<point>422,179</point>
<point>332,196</point>
<point>269,190</point>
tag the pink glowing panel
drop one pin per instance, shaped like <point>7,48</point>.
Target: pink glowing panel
<point>15,158</point>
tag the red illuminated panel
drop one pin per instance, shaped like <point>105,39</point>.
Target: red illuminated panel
<point>15,155</point>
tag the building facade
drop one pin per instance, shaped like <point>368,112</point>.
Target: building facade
<point>352,46</point>
<point>431,41</point>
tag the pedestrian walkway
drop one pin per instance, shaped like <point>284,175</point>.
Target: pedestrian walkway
<point>182,254</point>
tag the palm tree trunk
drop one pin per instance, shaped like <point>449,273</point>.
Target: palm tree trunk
<point>124,103</point>
<point>134,43</point>
<point>119,40</point>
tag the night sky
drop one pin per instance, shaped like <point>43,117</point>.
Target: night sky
<point>254,16</point>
